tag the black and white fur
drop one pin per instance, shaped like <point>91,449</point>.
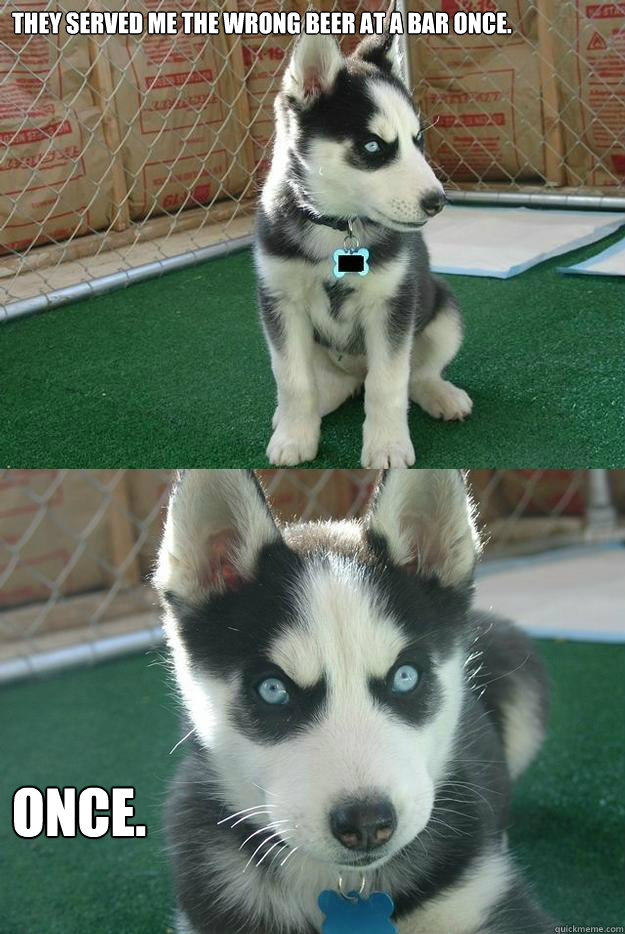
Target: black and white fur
<point>395,329</point>
<point>332,609</point>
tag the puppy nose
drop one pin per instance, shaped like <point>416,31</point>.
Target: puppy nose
<point>363,824</point>
<point>433,202</point>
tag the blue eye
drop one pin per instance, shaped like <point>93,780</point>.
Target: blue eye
<point>273,691</point>
<point>372,146</point>
<point>405,679</point>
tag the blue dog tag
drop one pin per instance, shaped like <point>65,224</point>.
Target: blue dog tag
<point>351,261</point>
<point>356,915</point>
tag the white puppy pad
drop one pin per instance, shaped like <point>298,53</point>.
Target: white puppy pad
<point>574,593</point>
<point>610,262</point>
<point>502,242</point>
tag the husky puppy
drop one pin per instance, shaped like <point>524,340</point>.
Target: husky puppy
<point>353,721</point>
<point>349,145</point>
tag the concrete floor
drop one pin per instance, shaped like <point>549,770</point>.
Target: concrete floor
<point>576,593</point>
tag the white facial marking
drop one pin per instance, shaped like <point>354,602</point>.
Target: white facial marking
<point>394,114</point>
<point>345,635</point>
<point>205,698</point>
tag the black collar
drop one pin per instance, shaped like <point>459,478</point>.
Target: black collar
<point>336,223</point>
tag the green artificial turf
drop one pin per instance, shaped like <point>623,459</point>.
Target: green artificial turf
<point>174,372</point>
<point>116,723</point>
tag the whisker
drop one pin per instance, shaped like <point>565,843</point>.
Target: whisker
<point>270,826</point>
<point>180,742</point>
<point>456,830</point>
<point>243,811</point>
<point>272,847</point>
<point>265,790</point>
<point>288,856</point>
<point>259,847</point>
<point>249,817</point>
<point>444,810</point>
<point>275,855</point>
<point>470,786</point>
<point>247,811</point>
<point>427,126</point>
<point>506,674</point>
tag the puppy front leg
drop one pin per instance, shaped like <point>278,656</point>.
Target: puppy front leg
<point>296,421</point>
<point>386,439</point>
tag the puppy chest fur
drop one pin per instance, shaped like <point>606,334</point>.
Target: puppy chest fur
<point>339,310</point>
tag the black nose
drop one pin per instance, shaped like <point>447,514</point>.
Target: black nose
<point>433,202</point>
<point>363,824</point>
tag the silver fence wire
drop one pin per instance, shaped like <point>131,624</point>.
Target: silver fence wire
<point>123,156</point>
<point>77,546</point>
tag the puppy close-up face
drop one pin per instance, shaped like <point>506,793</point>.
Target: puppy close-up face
<point>356,139</point>
<point>308,662</point>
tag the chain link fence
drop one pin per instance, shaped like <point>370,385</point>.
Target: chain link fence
<point>125,156</point>
<point>77,546</point>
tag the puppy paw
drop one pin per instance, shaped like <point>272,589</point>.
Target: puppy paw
<point>290,446</point>
<point>389,452</point>
<point>441,399</point>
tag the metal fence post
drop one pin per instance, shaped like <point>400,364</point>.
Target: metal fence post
<point>600,511</point>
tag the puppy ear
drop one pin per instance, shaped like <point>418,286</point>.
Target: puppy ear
<point>217,522</point>
<point>427,520</point>
<point>313,68</point>
<point>382,50</point>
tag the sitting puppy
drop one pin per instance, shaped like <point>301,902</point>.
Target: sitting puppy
<point>349,174</point>
<point>354,725</point>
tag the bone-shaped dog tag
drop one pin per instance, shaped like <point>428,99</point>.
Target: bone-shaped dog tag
<point>346,261</point>
<point>353,914</point>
